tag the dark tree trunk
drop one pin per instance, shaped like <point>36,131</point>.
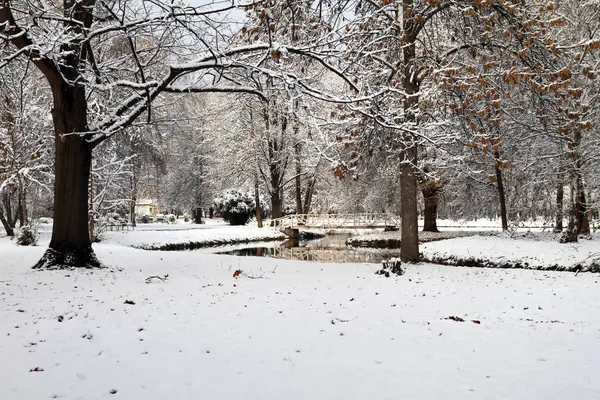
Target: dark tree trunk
<point>197,215</point>
<point>409,244</point>
<point>9,229</point>
<point>8,209</point>
<point>297,151</point>
<point>308,195</point>
<point>70,245</point>
<point>501,194</point>
<point>583,221</point>
<point>133,198</point>
<point>276,211</point>
<point>560,194</point>
<point>257,202</point>
<point>431,195</point>
<point>22,208</point>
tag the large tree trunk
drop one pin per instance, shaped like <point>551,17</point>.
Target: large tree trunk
<point>560,195</point>
<point>70,245</point>
<point>431,195</point>
<point>578,217</point>
<point>409,244</point>
<point>501,193</point>
<point>276,211</point>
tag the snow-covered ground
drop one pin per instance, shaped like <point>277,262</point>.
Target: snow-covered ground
<point>536,251</point>
<point>211,234</point>
<point>299,331</point>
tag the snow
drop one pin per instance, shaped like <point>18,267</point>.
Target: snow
<point>300,331</point>
<point>156,235</point>
<point>531,249</point>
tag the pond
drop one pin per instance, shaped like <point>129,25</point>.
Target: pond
<point>331,249</point>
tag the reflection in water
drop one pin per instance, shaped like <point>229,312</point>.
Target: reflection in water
<point>331,248</point>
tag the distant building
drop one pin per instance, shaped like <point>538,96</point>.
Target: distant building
<point>147,207</point>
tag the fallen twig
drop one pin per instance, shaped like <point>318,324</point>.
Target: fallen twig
<point>161,278</point>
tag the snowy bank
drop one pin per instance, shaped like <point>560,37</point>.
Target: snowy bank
<point>392,239</point>
<point>197,237</point>
<point>528,251</point>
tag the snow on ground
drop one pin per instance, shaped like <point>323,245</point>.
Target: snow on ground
<point>302,331</point>
<point>391,236</point>
<point>212,233</point>
<point>538,250</point>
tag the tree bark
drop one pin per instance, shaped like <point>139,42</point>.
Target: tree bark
<point>9,229</point>
<point>409,245</point>
<point>501,193</point>
<point>297,151</point>
<point>70,245</point>
<point>431,195</point>
<point>308,195</point>
<point>276,211</point>
<point>257,202</point>
<point>583,221</point>
<point>560,194</point>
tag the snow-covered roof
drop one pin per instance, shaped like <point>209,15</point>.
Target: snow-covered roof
<point>146,202</point>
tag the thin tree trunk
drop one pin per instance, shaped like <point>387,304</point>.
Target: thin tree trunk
<point>257,201</point>
<point>431,196</point>
<point>560,194</point>
<point>308,195</point>
<point>297,151</point>
<point>133,198</point>
<point>501,193</point>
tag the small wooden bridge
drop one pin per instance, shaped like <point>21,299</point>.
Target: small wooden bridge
<point>336,221</point>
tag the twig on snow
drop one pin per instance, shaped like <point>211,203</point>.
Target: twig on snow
<point>161,278</point>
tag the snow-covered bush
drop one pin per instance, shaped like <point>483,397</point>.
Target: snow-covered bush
<point>144,219</point>
<point>27,236</point>
<point>236,207</point>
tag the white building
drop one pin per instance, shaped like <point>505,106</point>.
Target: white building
<point>147,207</point>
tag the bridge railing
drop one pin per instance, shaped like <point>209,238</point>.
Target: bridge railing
<point>332,221</point>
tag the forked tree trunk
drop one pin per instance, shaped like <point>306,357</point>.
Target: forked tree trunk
<point>431,195</point>
<point>70,245</point>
